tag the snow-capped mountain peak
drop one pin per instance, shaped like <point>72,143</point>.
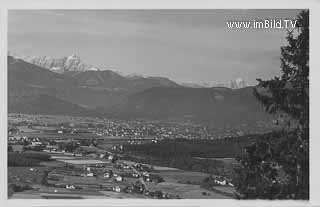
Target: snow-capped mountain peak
<point>238,83</point>
<point>60,65</point>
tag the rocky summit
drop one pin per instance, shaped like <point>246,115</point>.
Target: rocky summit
<point>72,63</point>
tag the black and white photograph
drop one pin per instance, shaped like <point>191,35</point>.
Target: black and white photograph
<point>158,104</point>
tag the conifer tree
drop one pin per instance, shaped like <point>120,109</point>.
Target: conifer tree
<point>276,166</point>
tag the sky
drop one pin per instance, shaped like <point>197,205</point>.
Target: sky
<point>193,46</point>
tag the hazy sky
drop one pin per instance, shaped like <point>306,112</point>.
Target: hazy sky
<point>184,45</point>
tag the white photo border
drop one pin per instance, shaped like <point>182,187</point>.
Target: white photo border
<point>312,5</point>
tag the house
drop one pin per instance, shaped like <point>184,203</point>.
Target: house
<point>135,175</point>
<point>126,166</point>
<point>70,187</point>
<point>90,175</point>
<point>35,140</point>
<point>116,189</point>
<point>13,138</point>
<point>106,175</point>
<point>220,182</point>
<point>110,157</point>
<point>36,143</point>
<point>52,147</point>
<point>119,178</point>
<point>145,174</point>
<point>230,184</point>
<point>60,132</point>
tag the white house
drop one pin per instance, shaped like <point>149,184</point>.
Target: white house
<point>110,157</point>
<point>117,189</point>
<point>230,184</point>
<point>36,143</point>
<point>145,174</point>
<point>90,175</point>
<point>224,182</point>
<point>70,187</point>
<point>119,179</point>
<point>106,175</point>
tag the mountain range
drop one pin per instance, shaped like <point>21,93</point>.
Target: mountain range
<point>34,89</point>
<point>217,106</point>
<point>89,89</point>
<point>234,84</point>
<point>72,63</point>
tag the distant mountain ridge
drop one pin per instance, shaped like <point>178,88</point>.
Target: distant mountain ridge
<point>33,89</point>
<point>73,65</point>
<point>60,65</point>
<point>218,106</point>
<point>89,88</point>
<point>91,76</point>
<point>234,84</point>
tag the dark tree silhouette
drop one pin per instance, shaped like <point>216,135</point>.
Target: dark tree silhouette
<point>276,166</point>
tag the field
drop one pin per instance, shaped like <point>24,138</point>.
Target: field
<point>180,176</point>
<point>75,195</point>
<point>52,119</point>
<point>26,129</point>
<point>112,195</point>
<point>228,163</point>
<point>52,135</point>
<point>32,194</point>
<point>225,189</point>
<point>26,174</point>
<point>186,184</point>
<point>186,190</point>
<point>23,178</point>
<point>83,162</point>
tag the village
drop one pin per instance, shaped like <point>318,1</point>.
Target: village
<point>134,129</point>
<point>83,162</point>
